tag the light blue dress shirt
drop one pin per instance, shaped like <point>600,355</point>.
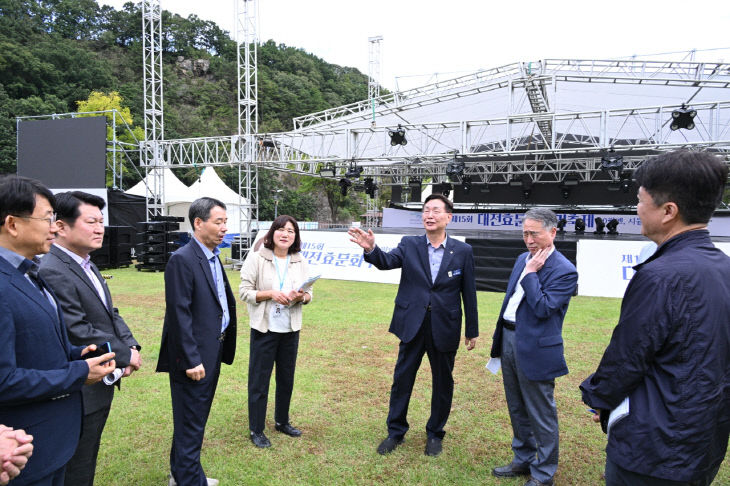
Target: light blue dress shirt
<point>217,270</point>
<point>435,256</point>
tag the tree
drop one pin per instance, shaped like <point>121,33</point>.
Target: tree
<point>119,117</point>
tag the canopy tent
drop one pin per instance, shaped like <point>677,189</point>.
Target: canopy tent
<point>176,195</point>
<point>211,185</point>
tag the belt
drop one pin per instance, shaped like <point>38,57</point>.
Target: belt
<point>508,324</point>
<point>222,337</point>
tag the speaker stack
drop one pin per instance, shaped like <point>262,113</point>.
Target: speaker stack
<point>159,238</point>
<point>116,250</point>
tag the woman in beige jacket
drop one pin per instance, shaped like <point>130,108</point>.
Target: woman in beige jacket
<point>270,285</point>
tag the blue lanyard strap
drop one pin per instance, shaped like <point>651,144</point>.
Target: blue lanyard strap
<point>278,273</point>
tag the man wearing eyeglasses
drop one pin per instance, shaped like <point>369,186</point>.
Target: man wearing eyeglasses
<point>437,274</point>
<point>90,316</point>
<point>41,373</point>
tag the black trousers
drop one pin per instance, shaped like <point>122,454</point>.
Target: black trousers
<point>266,349</point>
<point>191,402</point>
<point>80,470</point>
<point>53,479</point>
<point>410,356</point>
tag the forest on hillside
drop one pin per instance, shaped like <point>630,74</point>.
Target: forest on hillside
<point>58,56</point>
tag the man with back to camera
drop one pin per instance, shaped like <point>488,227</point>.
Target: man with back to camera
<point>41,373</point>
<point>670,352</point>
<point>199,332</point>
<point>89,315</point>
<point>437,273</point>
<point>528,340</point>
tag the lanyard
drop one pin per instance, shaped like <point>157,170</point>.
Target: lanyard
<point>278,273</point>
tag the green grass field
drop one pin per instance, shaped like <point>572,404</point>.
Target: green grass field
<point>340,401</point>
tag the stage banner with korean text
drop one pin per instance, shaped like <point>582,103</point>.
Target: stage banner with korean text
<point>627,223</point>
<point>606,267</point>
<point>334,256</point>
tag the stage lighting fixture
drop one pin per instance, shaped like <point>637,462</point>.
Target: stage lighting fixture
<point>625,185</point>
<point>580,226</point>
<point>600,227</point>
<point>327,170</point>
<point>561,225</point>
<point>612,227</point>
<point>414,182</point>
<point>398,136</point>
<point>612,161</point>
<point>445,189</point>
<point>466,184</point>
<point>683,118</point>
<point>370,187</point>
<point>354,171</point>
<point>455,170</point>
<point>344,184</point>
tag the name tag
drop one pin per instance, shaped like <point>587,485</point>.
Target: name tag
<point>456,272</point>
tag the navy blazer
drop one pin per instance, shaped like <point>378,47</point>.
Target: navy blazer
<point>193,316</point>
<point>538,333</point>
<point>41,375</point>
<point>454,283</point>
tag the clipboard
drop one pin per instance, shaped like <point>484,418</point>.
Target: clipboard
<point>308,282</point>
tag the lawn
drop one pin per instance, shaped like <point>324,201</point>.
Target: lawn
<point>340,401</point>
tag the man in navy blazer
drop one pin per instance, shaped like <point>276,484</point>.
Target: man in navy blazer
<point>199,332</point>
<point>528,340</point>
<point>437,274</point>
<point>41,373</point>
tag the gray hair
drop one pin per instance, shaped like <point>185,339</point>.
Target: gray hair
<point>548,218</point>
<point>200,208</point>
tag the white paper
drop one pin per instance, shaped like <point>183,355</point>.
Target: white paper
<point>493,365</point>
<point>308,283</point>
<point>621,411</point>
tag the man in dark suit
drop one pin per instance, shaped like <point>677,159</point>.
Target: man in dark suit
<point>437,273</point>
<point>529,341</point>
<point>41,373</point>
<point>199,333</point>
<point>89,314</point>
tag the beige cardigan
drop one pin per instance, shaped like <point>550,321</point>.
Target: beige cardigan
<point>258,273</point>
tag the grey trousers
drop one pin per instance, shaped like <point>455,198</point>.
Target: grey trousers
<point>533,415</point>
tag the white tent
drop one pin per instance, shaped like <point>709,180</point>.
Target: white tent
<point>176,198</point>
<point>211,185</point>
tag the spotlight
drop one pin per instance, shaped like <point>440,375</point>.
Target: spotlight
<point>370,187</point>
<point>561,225</point>
<point>466,184</point>
<point>683,118</point>
<point>625,185</point>
<point>612,161</point>
<point>523,181</point>
<point>398,136</point>
<point>612,227</point>
<point>600,227</point>
<point>327,170</point>
<point>344,184</point>
<point>354,171</point>
<point>580,226</point>
<point>455,170</point>
<point>444,189</point>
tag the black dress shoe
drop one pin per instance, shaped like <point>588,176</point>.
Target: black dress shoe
<point>260,440</point>
<point>534,482</point>
<point>433,447</point>
<point>511,470</point>
<point>388,445</point>
<point>288,429</point>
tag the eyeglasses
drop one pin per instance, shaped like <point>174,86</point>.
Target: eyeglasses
<point>435,212</point>
<point>285,230</point>
<point>51,220</point>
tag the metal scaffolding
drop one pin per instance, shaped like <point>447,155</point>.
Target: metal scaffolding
<point>153,112</point>
<point>374,61</point>
<point>246,143</point>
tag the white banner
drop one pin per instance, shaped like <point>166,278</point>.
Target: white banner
<point>628,223</point>
<point>605,267</point>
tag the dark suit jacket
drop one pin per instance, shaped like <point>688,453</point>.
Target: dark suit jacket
<point>454,283</point>
<point>193,316</point>
<point>41,374</point>
<point>87,319</point>
<point>540,316</point>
